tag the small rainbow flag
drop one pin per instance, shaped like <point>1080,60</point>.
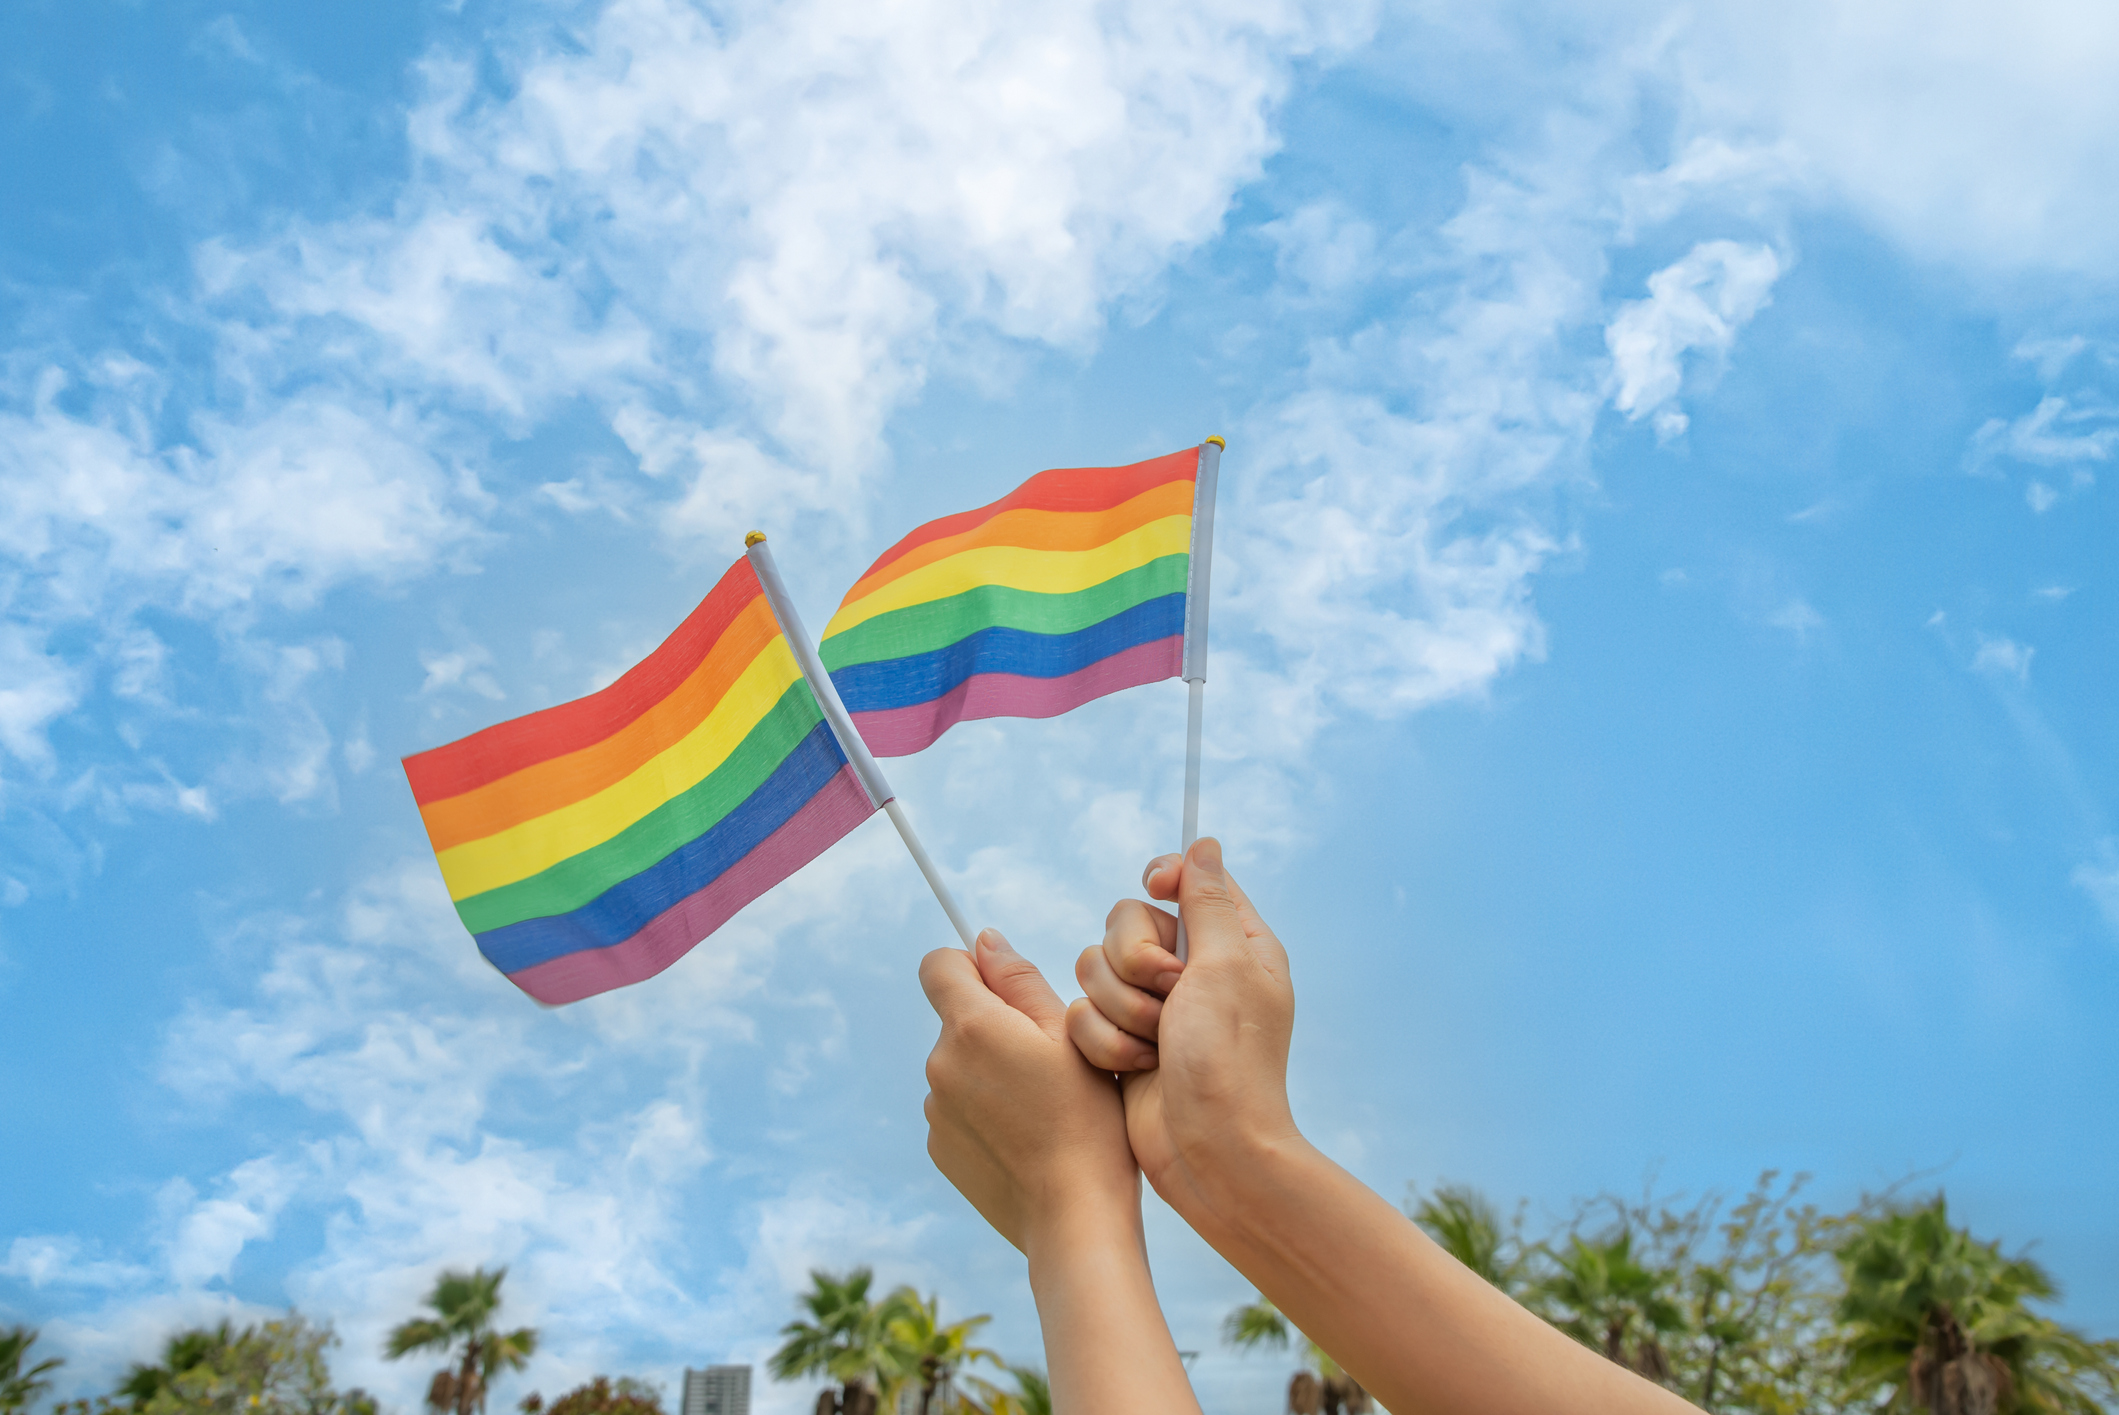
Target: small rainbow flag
<point>1072,586</point>
<point>593,844</point>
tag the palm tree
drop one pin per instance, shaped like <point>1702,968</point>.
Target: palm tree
<point>18,1387</point>
<point>927,1349</point>
<point>182,1353</point>
<point>1032,1394</point>
<point>1940,1319</point>
<point>1469,1229</point>
<point>1323,1387</point>
<point>1602,1296</point>
<point>847,1340</point>
<point>464,1305</point>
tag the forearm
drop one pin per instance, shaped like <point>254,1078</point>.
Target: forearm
<point>1414,1326</point>
<point>1107,1347</point>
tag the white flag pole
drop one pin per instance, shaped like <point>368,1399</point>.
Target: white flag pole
<point>857,753</point>
<point>1198,575</point>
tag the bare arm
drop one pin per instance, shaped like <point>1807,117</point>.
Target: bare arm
<point>1035,1138</point>
<point>1203,1048</point>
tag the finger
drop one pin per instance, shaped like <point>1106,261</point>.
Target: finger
<point>1217,914</point>
<point>1164,876</point>
<point>1160,878</point>
<point>1016,981</point>
<point>1138,940</point>
<point>953,985</point>
<point>1131,1009</point>
<point>1103,1045</point>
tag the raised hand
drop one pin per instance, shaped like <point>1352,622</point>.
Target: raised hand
<point>1025,1129</point>
<point>1035,1138</point>
<point>1201,1049</point>
<point>1202,1046</point>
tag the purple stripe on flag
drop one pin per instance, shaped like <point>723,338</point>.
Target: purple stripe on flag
<point>827,816</point>
<point>899,732</point>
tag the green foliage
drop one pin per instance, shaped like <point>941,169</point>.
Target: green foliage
<point>1751,1287</point>
<point>276,1367</point>
<point>1769,1305</point>
<point>925,1350</point>
<point>1930,1317</point>
<point>601,1396</point>
<point>1600,1294</point>
<point>21,1383</point>
<point>463,1306</point>
<point>847,1337</point>
<point>1032,1395</point>
<point>1259,1324</point>
<point>872,1347</point>
<point>1469,1229</point>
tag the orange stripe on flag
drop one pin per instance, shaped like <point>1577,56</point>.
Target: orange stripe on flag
<point>550,785</point>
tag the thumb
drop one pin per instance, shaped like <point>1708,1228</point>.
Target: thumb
<point>1219,919</point>
<point>1016,981</point>
<point>1208,900</point>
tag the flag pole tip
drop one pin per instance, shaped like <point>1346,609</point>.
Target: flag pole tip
<point>1219,441</point>
<point>754,538</point>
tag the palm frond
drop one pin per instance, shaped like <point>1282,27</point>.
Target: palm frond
<point>1255,1324</point>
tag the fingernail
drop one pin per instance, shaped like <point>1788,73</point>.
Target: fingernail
<point>1147,876</point>
<point>1146,1063</point>
<point>1165,981</point>
<point>1206,853</point>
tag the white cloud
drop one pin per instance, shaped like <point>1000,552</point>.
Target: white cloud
<point>1388,519</point>
<point>209,1233</point>
<point>742,239</point>
<point>2004,658</point>
<point>878,187</point>
<point>1798,618</point>
<point>2050,355</point>
<point>44,1259</point>
<point>2053,434</point>
<point>1323,249</point>
<point>264,511</point>
<point>2099,879</point>
<point>35,688</point>
<point>1891,105</point>
<point>1696,303</point>
<point>278,508</point>
<point>468,667</point>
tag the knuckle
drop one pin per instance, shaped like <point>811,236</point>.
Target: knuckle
<point>975,1031</point>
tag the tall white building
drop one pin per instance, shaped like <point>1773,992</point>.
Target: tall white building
<point>717,1390</point>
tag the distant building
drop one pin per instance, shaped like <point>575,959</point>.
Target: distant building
<point>717,1390</point>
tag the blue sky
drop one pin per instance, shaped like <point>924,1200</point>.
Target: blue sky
<point>1664,643</point>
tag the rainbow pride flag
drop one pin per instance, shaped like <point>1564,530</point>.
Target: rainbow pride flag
<point>1072,586</point>
<point>593,844</point>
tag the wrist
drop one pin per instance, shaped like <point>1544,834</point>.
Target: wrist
<point>1086,1229</point>
<point>1230,1191</point>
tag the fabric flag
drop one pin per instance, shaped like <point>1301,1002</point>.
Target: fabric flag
<point>1070,587</point>
<point>592,844</point>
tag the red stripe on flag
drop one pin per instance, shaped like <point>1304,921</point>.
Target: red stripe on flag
<point>1063,489</point>
<point>506,747</point>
